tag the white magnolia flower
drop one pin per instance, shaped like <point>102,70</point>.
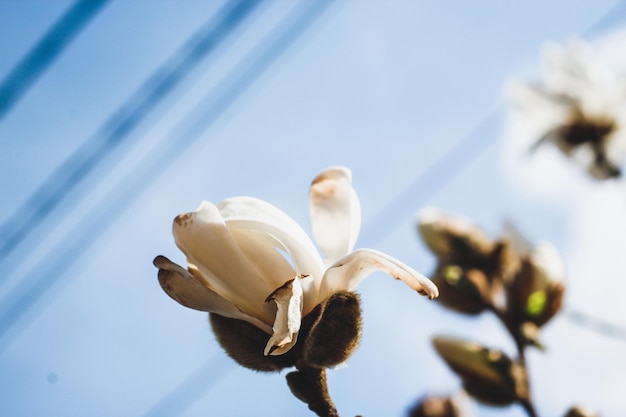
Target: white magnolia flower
<point>579,106</point>
<point>243,253</point>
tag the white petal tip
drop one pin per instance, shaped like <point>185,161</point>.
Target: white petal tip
<point>334,172</point>
<point>429,289</point>
<point>546,257</point>
<point>429,215</point>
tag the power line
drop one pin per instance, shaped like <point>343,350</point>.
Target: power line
<point>27,295</point>
<point>192,388</point>
<point>433,179</point>
<point>596,324</point>
<point>46,51</point>
<point>118,127</point>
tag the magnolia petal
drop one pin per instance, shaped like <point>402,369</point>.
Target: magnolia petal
<point>182,286</point>
<point>205,239</point>
<point>533,97</point>
<point>266,254</point>
<point>347,273</point>
<point>335,212</point>
<point>288,299</point>
<point>254,214</point>
<point>571,69</point>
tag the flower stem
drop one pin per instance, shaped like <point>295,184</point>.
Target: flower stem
<point>527,405</point>
<point>525,401</point>
<point>309,385</point>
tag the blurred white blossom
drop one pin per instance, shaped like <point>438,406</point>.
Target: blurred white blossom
<point>579,106</point>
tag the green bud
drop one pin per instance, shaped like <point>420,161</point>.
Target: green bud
<point>536,303</point>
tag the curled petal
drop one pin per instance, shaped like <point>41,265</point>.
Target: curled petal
<point>182,286</point>
<point>335,212</point>
<point>254,214</point>
<point>348,272</point>
<point>288,299</point>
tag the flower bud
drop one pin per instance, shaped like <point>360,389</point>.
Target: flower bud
<point>443,406</point>
<point>336,334</point>
<point>466,291</point>
<point>453,239</point>
<point>536,293</point>
<point>579,411</point>
<point>244,343</point>
<point>489,376</point>
<point>329,334</point>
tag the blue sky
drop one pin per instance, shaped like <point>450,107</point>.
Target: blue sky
<point>385,88</point>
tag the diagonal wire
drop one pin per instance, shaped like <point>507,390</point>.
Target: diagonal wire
<point>44,53</point>
<point>193,387</point>
<point>434,178</point>
<point>27,296</point>
<point>117,129</point>
<point>594,323</point>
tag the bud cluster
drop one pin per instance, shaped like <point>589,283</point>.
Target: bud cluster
<point>522,284</point>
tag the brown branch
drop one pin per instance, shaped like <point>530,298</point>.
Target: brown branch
<point>309,385</point>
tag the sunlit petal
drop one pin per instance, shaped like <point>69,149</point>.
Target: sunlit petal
<point>572,69</point>
<point>254,214</point>
<point>209,246</point>
<point>179,284</point>
<point>347,273</point>
<point>289,300</point>
<point>335,212</point>
<point>266,253</point>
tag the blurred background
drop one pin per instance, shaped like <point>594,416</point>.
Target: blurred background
<point>116,116</point>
